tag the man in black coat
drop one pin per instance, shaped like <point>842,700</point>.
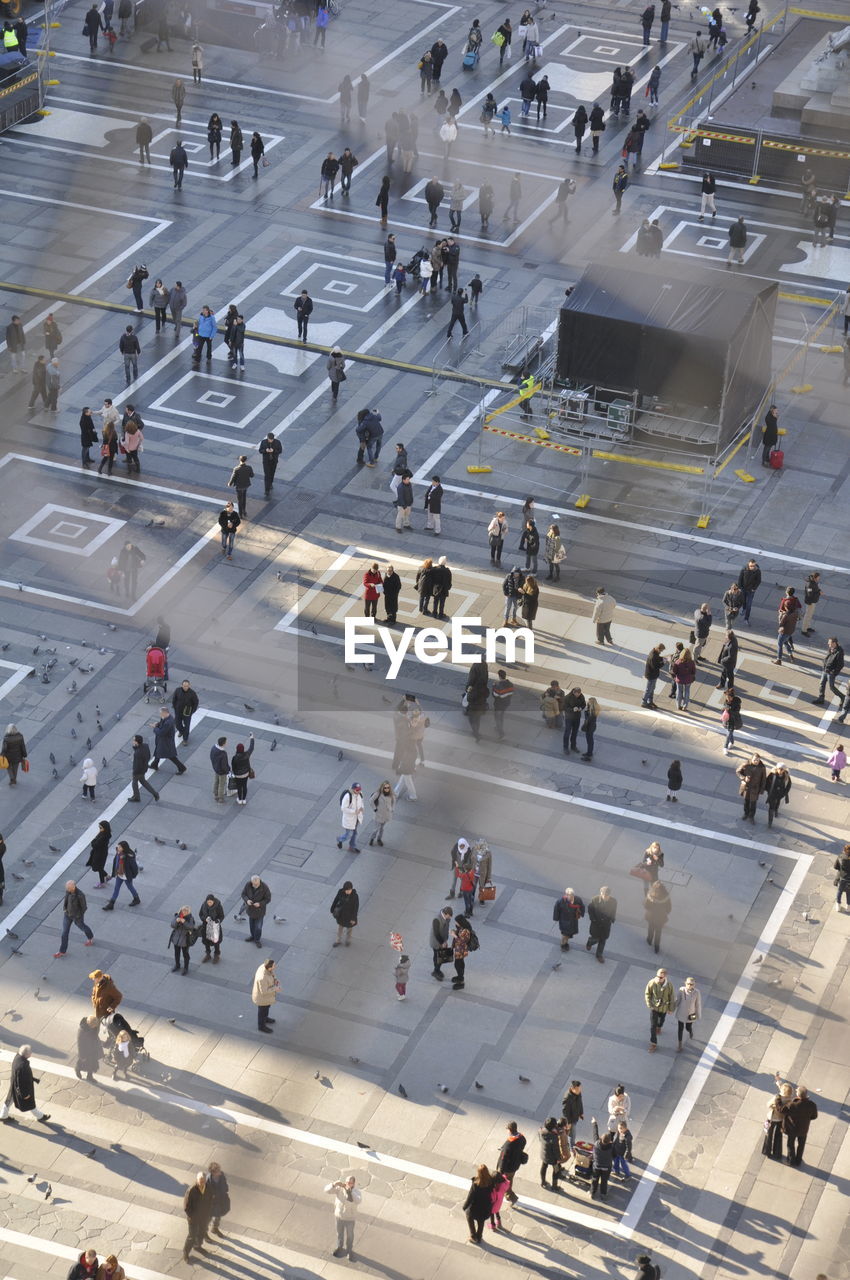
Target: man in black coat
<point>574,703</point>
<point>197,1205</point>
<point>256,896</point>
<point>801,1112</point>
<point>833,665</point>
<point>459,300</point>
<point>434,505</point>
<point>749,580</point>
<point>441,585</point>
<point>603,912</point>
<point>240,480</point>
<point>434,195</point>
<point>769,435</point>
<point>141,764</point>
<point>728,660</point>
<point>511,1158</point>
<point>179,162</point>
<point>185,704</point>
<point>21,1093</point>
<point>652,670</point>
<point>569,909</point>
<point>228,522</point>
<point>165,747</point>
<point>270,450</point>
<point>439,53</point>
<point>439,939</point>
<point>451,257</point>
<point>303,311</point>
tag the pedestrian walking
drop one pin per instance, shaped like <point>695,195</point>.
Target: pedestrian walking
<point>51,334</point>
<point>344,909</point>
<point>568,910</point>
<point>345,89</point>
<point>327,176</point>
<point>14,748</point>
<point>696,48</point>
<point>197,1206</point>
<point>621,181</point>
<point>656,909</point>
<point>39,381</point>
<point>264,991</point>
<point>185,704</point>
<point>777,788</point>
<point>753,777</point>
<point>512,211</point>
<point>347,1199</point>
<point>646,20</point>
<point>458,304</point>
<point>92,25</point>
<point>749,581</point>
<point>730,717</point>
<point>125,870</point>
<point>684,673</point>
<point>258,152</point>
<point>89,778</point>
<point>16,344</point>
<point>177,301</point>
<point>434,193</point>
<point>833,665</point>
<point>653,83</point>
<point>505,32</point>
<point>351,816</point>
<point>270,450</point>
<point>240,480</point>
<point>707,201</point>
<point>141,764</point>
<point>323,18</point>
<point>769,435</point>
<point>128,345</point>
<point>688,1009</point>
<point>565,190</point>
<point>812,594</point>
<point>602,912</point>
<point>228,521</point>
<point>211,917</point>
<point>660,1000</point>
<point>74,908</point>
<point>165,746</point>
<point>88,436</point>
<point>512,1156</point>
<point>541,96</point>
<point>457,198</point>
<point>383,803</point>
<point>303,311</point>
<point>53,383</point>
<point>789,608</point>
<point>674,780</point>
<point>478,1203</point>
<point>837,761</point>
<point>604,607</point>
<point>99,851</point>
<point>737,242</point>
<point>651,863</point>
<point>22,1084</point>
<point>406,755</point>
<point>256,896</point>
<point>579,123</point>
<point>179,162</point>
<point>158,300</point>
<point>503,692</point>
<point>363,90</point>
<point>183,934</point>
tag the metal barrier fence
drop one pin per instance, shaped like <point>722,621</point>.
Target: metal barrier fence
<point>770,156</point>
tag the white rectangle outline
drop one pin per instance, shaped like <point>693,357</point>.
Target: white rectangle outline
<point>274,392</point>
<point>290,291</point>
<point>24,589</point>
<point>655,1166</point>
<point>111,526</point>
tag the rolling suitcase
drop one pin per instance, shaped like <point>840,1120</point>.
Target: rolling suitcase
<point>470,58</point>
<point>777,459</point>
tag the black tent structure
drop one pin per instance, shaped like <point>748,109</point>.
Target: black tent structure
<point>676,354</point>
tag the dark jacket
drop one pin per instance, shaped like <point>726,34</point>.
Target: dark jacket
<point>434,193</point>
<point>777,787</point>
<point>197,1204</point>
<point>513,583</point>
<point>800,1114</point>
<point>164,738</point>
<point>236,139</point>
<point>602,914</point>
<point>128,344</point>
<point>770,434</point>
<point>99,851</point>
<point>833,661</point>
<point>240,764</point>
<point>458,304</point>
<point>478,1201</point>
<point>178,158</point>
<point>568,914</point>
<point>441,581</point>
<point>74,906</point>
<point>229,520</point>
<point>424,581</point>
<point>219,761</point>
<point>88,1047</point>
<point>180,927</point>
<point>733,601</point>
<point>510,1155</point>
<point>572,1108</point>
<point>434,499</point>
<point>728,656</point>
<point>654,665</point>
<point>702,624</point>
<point>345,907</point>
<point>404,494</point>
<point>390,251</point>
<point>674,777</point>
<point>14,748</point>
<point>657,911</point>
<point>530,541</point>
<point>130,869</point>
<point>811,591</point>
<point>185,701</point>
<point>842,866</point>
<point>22,1087</point>
<point>262,895</point>
<point>392,590</point>
<point>88,431</point>
<point>574,704</point>
<point>550,1146</point>
<point>749,579</point>
<point>597,119</point>
<point>738,235</point>
<point>241,476</point>
<point>603,1155</point>
<point>211,911</point>
<point>220,1195</point>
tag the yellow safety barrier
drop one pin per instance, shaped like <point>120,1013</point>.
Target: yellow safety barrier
<point>543,444</point>
<point>477,471</point>
<point>649,462</point>
<point>670,165</point>
<point>754,181</point>
<point>583,501</point>
<point>832,351</point>
<point>512,404</point>
<point>541,434</point>
<point>801,390</point>
<point>703,522</point>
<point>745,476</point>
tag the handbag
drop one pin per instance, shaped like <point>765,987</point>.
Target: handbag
<point>724,719</point>
<point>251,773</point>
<point>25,765</point>
<point>497,39</point>
<point>4,763</point>
<point>640,872</point>
<point>121,448</point>
<point>507,53</point>
<point>487,892</point>
<point>104,451</point>
<point>560,554</point>
<point>444,954</point>
<point>742,790</point>
<point>232,784</point>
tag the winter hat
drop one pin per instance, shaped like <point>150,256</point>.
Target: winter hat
<point>462,845</point>
<point>355,786</point>
<point>240,746</point>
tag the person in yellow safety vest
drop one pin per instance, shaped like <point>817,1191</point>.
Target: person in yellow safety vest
<point>526,391</point>
<point>10,40</point>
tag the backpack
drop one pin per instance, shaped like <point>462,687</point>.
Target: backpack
<point>473,944</point>
<point>343,795</point>
<point>192,935</point>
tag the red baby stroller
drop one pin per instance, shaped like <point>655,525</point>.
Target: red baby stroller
<point>156,681</point>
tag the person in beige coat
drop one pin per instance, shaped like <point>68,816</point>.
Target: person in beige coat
<point>347,1199</point>
<point>603,615</point>
<point>264,993</point>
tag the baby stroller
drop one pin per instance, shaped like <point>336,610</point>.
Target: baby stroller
<point>414,266</point>
<point>124,1048</point>
<point>156,674</point>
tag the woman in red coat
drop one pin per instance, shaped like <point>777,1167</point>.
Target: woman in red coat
<point>374,587</point>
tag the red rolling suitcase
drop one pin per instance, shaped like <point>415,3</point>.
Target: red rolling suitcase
<point>777,459</point>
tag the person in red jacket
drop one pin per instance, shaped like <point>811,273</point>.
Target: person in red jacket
<point>466,878</point>
<point>374,588</point>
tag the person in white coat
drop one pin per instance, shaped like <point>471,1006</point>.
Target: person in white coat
<point>347,1199</point>
<point>351,812</point>
<point>619,1107</point>
<point>688,1009</point>
<point>89,778</point>
<point>603,615</point>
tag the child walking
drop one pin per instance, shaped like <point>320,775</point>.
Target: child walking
<point>505,117</point>
<point>674,780</point>
<point>89,778</point>
<point>498,1191</point>
<point>622,1149</point>
<point>836,762</point>
<point>402,973</point>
